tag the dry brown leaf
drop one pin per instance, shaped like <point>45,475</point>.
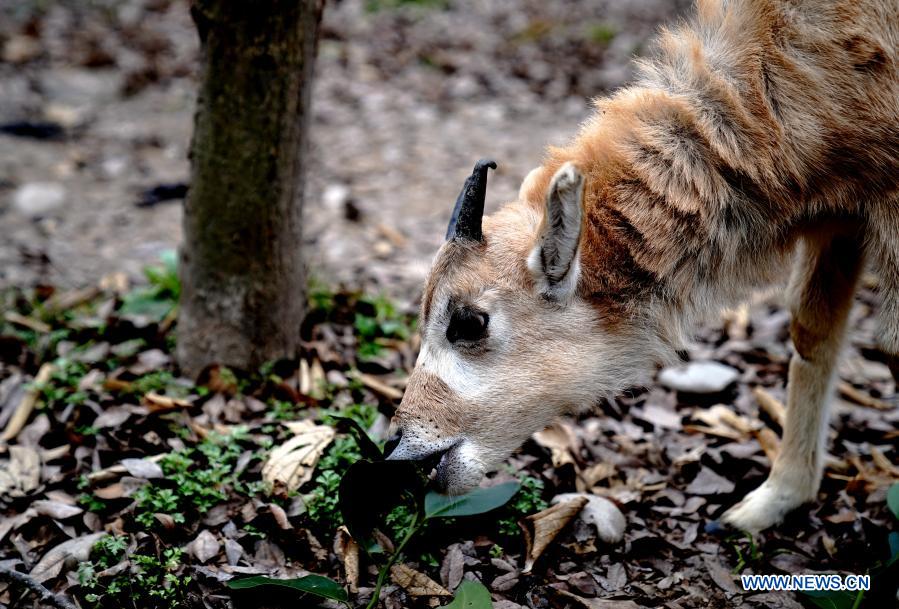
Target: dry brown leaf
<point>379,387</point>
<point>119,469</point>
<point>541,529</point>
<point>26,322</point>
<point>721,432</point>
<point>62,301</point>
<point>769,442</point>
<point>317,379</point>
<point>73,550</point>
<point>233,551</point>
<point>862,399</point>
<point>416,583</point>
<point>113,491</point>
<point>160,403</point>
<point>143,468</point>
<point>587,478</point>
<point>736,321</point>
<point>393,235</point>
<point>719,574</point>
<point>599,603</point>
<point>881,461</point>
<point>55,509</point>
<point>21,474</point>
<point>291,465</point>
<point>347,550</point>
<point>280,516</point>
<point>720,416</point>
<point>26,404</point>
<point>771,405</point>
<point>116,282</point>
<point>305,378</point>
<point>205,546</point>
<point>561,441</point>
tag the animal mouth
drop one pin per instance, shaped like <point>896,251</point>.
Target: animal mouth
<point>442,474</point>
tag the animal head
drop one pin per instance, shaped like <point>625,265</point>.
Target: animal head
<point>508,340</point>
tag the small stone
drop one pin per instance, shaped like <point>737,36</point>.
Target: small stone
<point>335,196</point>
<point>699,377</point>
<point>382,248</point>
<point>21,49</point>
<point>601,513</point>
<point>38,198</point>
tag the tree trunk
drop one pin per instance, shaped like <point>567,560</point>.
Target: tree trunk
<point>242,274</point>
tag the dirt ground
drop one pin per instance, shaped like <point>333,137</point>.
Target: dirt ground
<point>406,99</point>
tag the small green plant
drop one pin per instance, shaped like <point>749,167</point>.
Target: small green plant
<point>158,381</point>
<point>751,555</point>
<point>602,33</point>
<point>369,493</point>
<point>196,479</point>
<point>158,299</point>
<point>528,500</point>
<point>385,322</point>
<point>364,414</point>
<point>152,582</point>
<point>63,386</point>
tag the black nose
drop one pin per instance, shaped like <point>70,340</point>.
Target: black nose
<point>393,441</point>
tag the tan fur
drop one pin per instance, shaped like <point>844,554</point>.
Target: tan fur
<point>759,125</point>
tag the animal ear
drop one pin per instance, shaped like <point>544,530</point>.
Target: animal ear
<point>554,259</point>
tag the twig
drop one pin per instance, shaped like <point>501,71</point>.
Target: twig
<point>26,406</point>
<point>380,387</point>
<point>26,322</point>
<point>862,399</point>
<point>771,405</point>
<point>385,570</point>
<point>45,595</point>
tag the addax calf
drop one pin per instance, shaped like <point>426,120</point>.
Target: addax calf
<point>763,134</point>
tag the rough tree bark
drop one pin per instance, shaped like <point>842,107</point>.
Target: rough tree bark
<point>243,280</point>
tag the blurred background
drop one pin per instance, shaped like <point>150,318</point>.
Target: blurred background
<point>97,100</point>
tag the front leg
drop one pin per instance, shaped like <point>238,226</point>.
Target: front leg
<point>822,289</point>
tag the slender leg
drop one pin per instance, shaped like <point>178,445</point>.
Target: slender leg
<point>822,288</point>
<point>884,223</point>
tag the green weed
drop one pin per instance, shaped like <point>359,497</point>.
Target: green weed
<point>158,299</point>
<point>63,386</point>
<point>384,321</point>
<point>196,479</point>
<point>528,500</point>
<point>151,582</point>
<point>601,33</point>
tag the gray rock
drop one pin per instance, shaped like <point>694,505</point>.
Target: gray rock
<point>699,377</point>
<point>38,198</point>
<point>604,515</point>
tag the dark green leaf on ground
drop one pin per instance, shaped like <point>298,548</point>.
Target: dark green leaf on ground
<point>477,501</point>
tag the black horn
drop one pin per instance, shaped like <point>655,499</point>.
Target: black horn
<point>465,222</point>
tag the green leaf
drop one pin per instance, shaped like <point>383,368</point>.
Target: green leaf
<point>893,541</point>
<point>477,501</point>
<point>310,584</point>
<point>834,599</point>
<point>145,302</point>
<point>893,499</point>
<point>471,595</point>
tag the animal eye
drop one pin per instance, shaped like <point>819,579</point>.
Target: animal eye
<point>467,325</point>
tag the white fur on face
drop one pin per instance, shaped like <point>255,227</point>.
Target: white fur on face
<point>539,360</point>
